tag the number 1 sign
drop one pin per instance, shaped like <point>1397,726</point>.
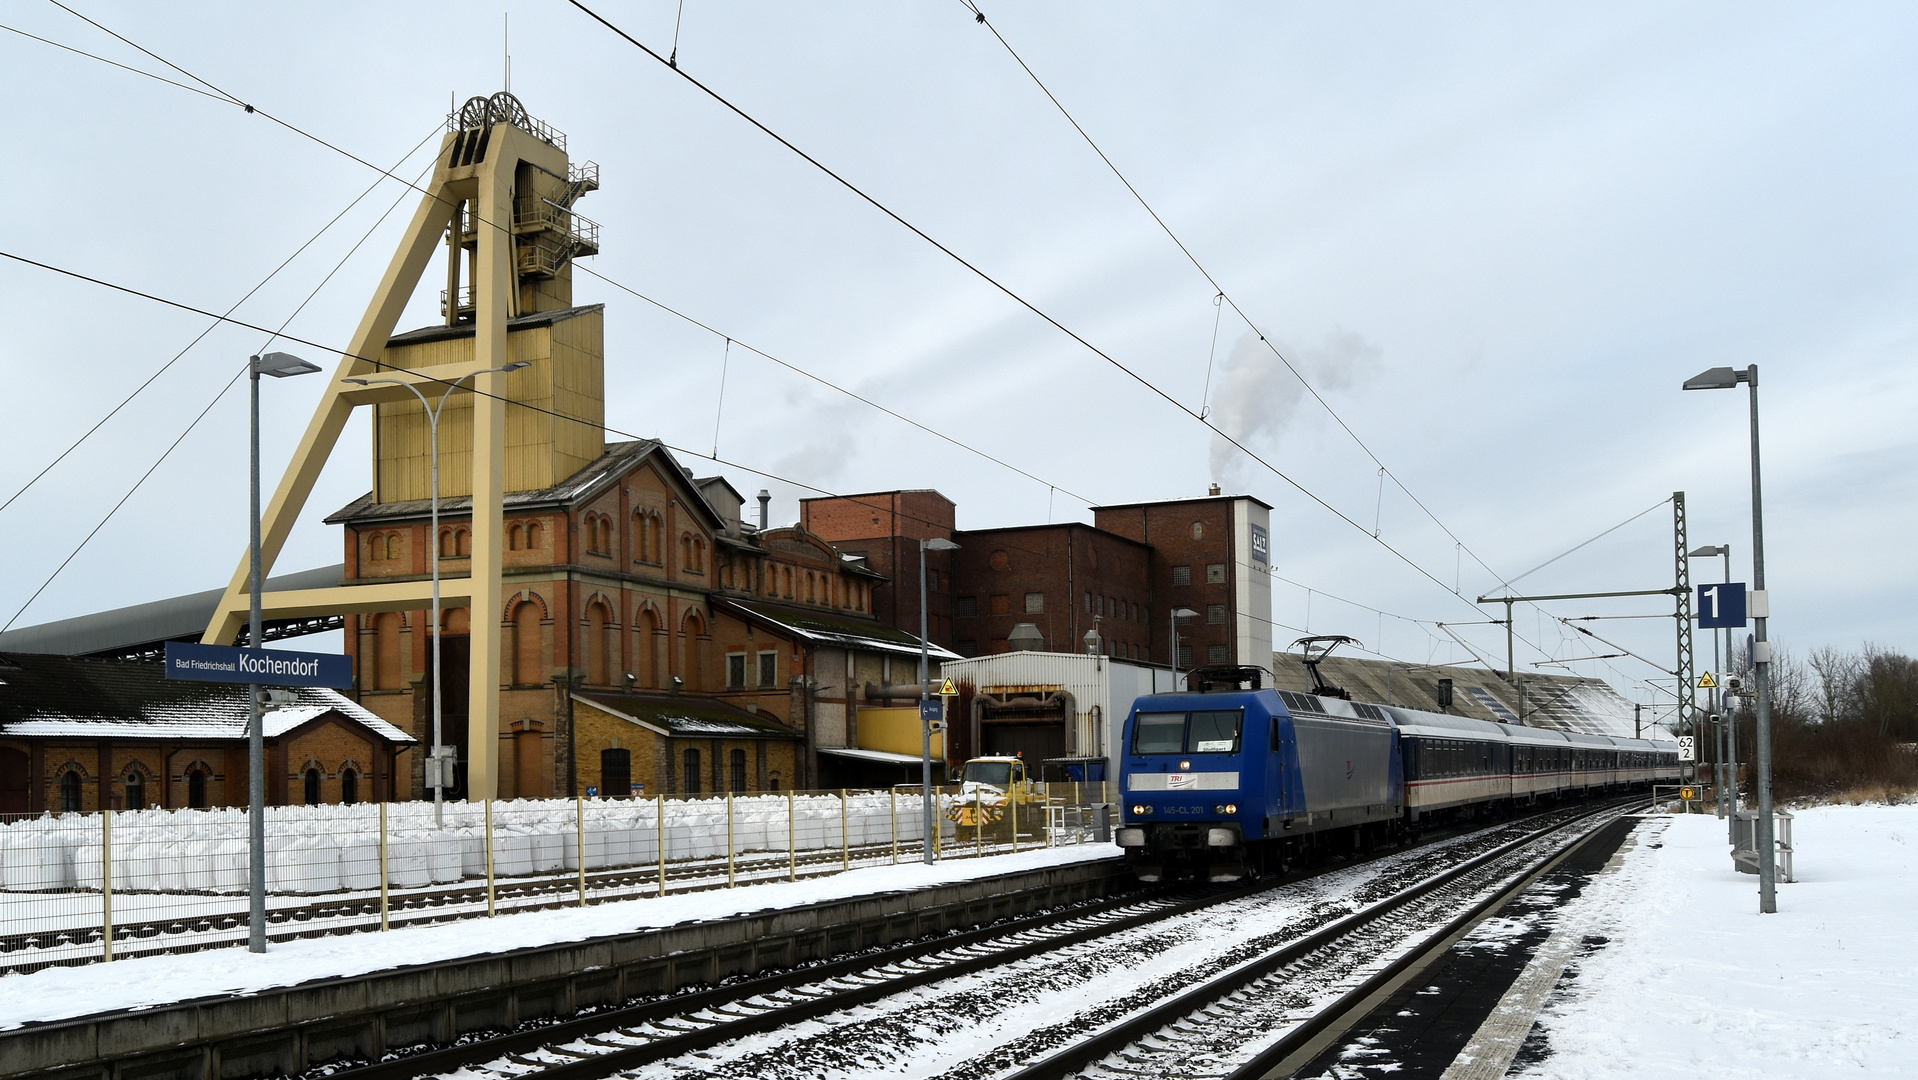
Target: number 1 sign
<point>1721,606</point>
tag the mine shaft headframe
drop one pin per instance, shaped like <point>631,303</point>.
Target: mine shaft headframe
<point>1312,650</point>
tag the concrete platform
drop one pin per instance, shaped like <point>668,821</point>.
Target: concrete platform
<point>289,1029</point>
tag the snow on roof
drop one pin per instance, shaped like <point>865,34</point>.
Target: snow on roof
<point>65,696</point>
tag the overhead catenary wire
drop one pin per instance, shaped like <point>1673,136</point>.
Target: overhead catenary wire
<point>174,445</point>
<point>979,16</point>
<point>230,99</point>
<point>252,109</point>
<point>1020,299</point>
<point>211,326</point>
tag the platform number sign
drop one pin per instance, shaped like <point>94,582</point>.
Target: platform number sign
<point>1687,748</point>
<point>1721,606</point>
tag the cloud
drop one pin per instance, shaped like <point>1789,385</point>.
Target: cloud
<point>1257,394</point>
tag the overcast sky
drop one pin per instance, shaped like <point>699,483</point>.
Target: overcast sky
<point>1496,238</point>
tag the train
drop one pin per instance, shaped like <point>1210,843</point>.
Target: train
<point>1231,778</point>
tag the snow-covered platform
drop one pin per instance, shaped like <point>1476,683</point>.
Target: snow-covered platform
<point>358,994</point>
<point>1691,981</point>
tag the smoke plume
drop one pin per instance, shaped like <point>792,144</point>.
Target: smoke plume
<point>1256,396</point>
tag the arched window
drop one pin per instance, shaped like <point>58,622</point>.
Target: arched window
<point>392,545</point>
<point>69,790</point>
<point>464,538</point>
<point>349,786</point>
<point>699,555</point>
<point>136,791</point>
<point>691,759</point>
<point>615,773</point>
<point>532,536</point>
<point>789,582</point>
<point>738,770</point>
<point>598,666</point>
<point>685,551</point>
<point>516,539</point>
<point>646,638</point>
<point>772,780</point>
<point>449,547</point>
<point>527,669</point>
<point>312,787</point>
<point>196,789</point>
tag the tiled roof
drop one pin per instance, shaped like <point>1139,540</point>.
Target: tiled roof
<point>79,697</point>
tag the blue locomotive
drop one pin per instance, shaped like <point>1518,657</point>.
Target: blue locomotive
<point>1231,779</point>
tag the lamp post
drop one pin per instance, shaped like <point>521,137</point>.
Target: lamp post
<point>1724,378</point>
<point>436,775</point>
<point>937,543</point>
<point>280,366</point>
<point>1176,615</point>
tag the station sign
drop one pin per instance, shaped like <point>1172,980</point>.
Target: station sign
<point>1722,606</point>
<point>264,667</point>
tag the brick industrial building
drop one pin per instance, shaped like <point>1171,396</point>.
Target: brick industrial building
<point>1122,575</point>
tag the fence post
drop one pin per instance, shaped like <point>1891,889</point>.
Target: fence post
<point>662,843</point>
<point>730,882</point>
<point>383,908</point>
<point>106,879</point>
<point>792,840</point>
<point>845,838</point>
<point>892,808</point>
<point>938,830</point>
<point>579,807</point>
<point>978,824</point>
<point>1012,807</point>
<point>489,857</point>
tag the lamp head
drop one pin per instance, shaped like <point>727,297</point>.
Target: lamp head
<point>939,543</point>
<point>281,365</point>
<point>1709,551</point>
<point>1184,613</point>
<point>515,365</point>
<point>1721,378</point>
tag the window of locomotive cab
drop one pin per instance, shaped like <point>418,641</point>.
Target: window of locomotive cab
<point>1208,732</point>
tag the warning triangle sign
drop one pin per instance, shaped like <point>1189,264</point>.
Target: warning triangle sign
<point>946,689</point>
<point>1706,682</point>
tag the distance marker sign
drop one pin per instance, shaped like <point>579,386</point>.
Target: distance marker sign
<point>267,667</point>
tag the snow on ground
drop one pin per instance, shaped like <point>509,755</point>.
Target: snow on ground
<point>145,982</point>
<point>1694,982</point>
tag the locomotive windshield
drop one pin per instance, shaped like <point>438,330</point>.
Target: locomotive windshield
<point>1209,732</point>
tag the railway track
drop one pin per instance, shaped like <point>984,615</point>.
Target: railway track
<point>359,913</point>
<point>841,1005</point>
<point>1225,1026</point>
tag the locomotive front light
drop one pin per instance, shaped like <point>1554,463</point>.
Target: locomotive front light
<point>1231,808</point>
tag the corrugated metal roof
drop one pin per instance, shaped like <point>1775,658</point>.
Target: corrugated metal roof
<point>827,629</point>
<point>689,717</point>
<point>179,618</point>
<point>1560,702</point>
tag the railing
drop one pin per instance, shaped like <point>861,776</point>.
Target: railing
<point>81,887</point>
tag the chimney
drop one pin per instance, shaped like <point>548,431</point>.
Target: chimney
<point>1213,490</point>
<point>765,500</point>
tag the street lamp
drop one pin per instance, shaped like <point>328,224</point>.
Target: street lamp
<point>1724,378</point>
<point>937,543</point>
<point>1177,614</point>
<point>280,366</point>
<point>1727,744</point>
<point>436,775</point>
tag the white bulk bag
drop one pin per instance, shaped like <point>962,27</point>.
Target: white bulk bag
<point>449,856</point>
<point>409,861</point>
<point>360,862</point>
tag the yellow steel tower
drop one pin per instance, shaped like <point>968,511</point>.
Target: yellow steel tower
<point>502,198</point>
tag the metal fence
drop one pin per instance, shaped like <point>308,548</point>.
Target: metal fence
<point>81,887</point>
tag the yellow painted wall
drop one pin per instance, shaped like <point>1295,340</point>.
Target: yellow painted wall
<point>567,376</point>
<point>896,731</point>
